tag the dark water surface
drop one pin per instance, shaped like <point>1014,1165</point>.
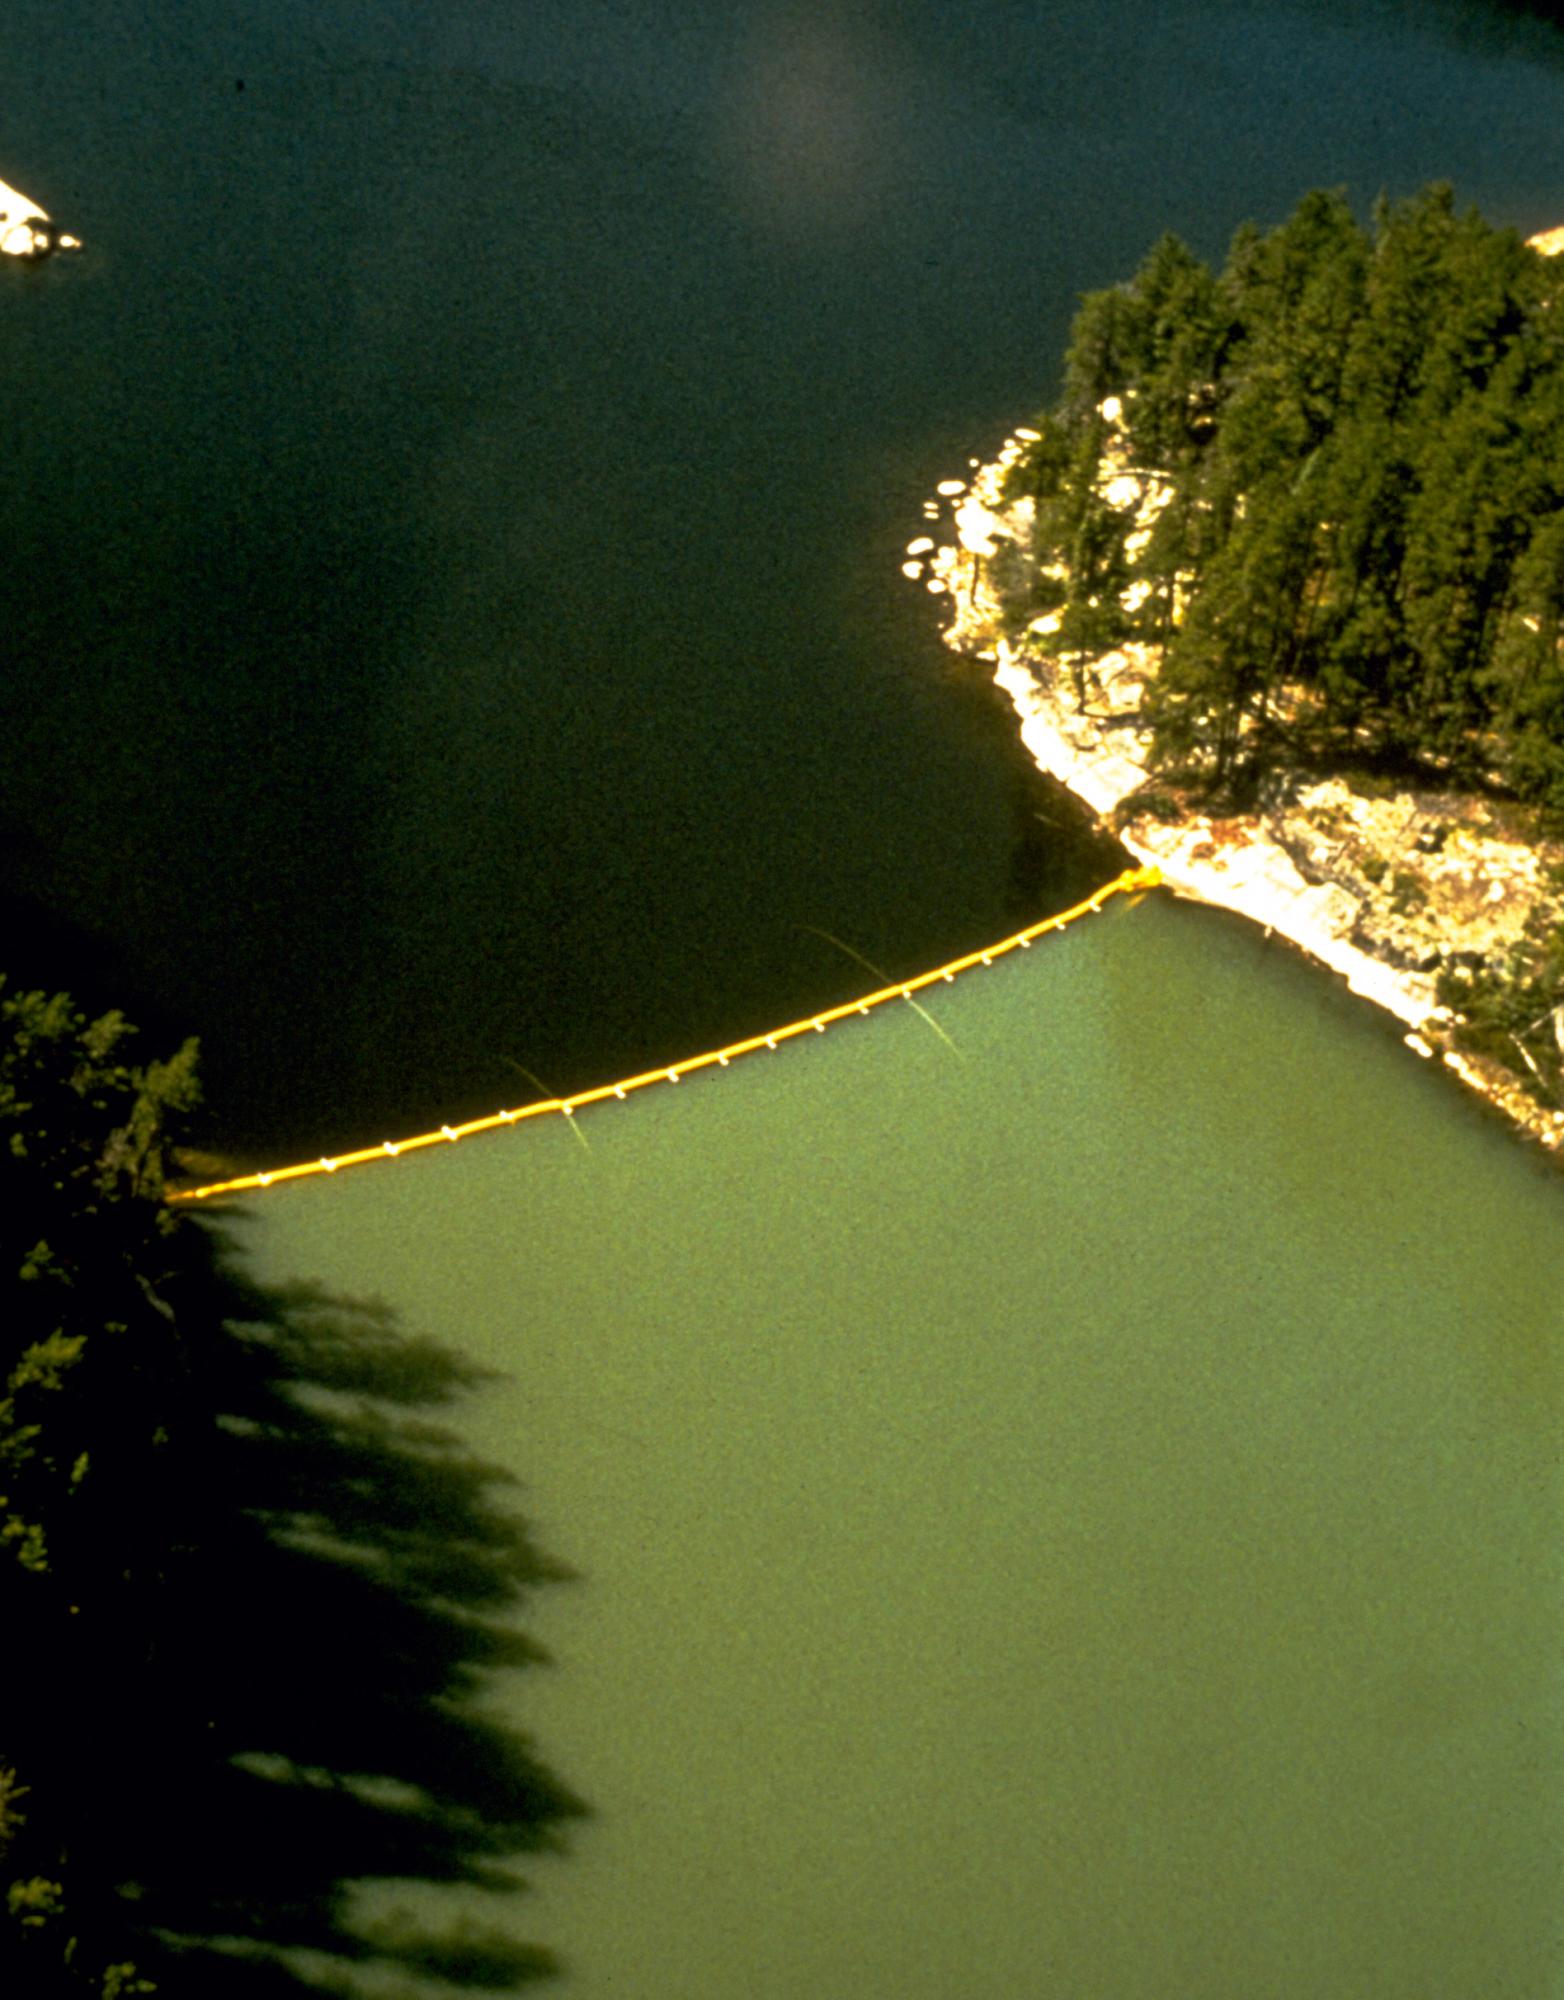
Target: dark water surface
<point>452,507</point>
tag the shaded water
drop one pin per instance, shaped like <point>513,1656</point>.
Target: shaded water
<point>1083,1517</point>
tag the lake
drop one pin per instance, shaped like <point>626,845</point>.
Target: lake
<point>1079,1516</point>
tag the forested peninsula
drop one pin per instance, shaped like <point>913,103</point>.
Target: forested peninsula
<point>1277,587</point>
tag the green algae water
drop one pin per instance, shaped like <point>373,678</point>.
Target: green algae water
<point>1082,1516</point>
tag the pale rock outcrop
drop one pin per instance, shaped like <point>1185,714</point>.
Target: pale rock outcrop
<point>26,231</point>
<point>1381,890</point>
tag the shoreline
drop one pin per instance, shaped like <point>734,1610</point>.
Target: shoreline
<point>1271,866</point>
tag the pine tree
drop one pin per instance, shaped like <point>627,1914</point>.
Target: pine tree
<point>1178,326</point>
<point>1360,436</point>
<point>91,1369</point>
<point>1524,679</point>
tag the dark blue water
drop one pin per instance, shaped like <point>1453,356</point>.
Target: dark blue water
<point>451,509</point>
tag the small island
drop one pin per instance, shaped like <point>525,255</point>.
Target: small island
<point>1277,588</point>
<point>26,232</point>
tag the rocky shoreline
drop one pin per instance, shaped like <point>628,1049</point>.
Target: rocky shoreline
<point>1385,887</point>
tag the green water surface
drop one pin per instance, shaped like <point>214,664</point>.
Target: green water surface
<point>1080,1518</point>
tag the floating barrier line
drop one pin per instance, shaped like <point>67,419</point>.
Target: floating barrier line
<point>903,989</point>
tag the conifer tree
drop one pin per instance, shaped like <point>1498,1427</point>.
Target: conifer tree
<point>91,1368</point>
<point>1359,440</point>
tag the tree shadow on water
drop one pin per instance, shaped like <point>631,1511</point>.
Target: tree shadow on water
<point>349,1599</point>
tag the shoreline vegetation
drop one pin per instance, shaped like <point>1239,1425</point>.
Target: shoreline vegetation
<point>1277,591</point>
<point>225,1507</point>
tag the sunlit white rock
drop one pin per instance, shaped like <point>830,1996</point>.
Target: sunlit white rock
<point>25,230</point>
<point>977,527</point>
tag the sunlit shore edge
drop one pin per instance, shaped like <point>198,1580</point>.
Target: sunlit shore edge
<point>26,230</point>
<point>1228,863</point>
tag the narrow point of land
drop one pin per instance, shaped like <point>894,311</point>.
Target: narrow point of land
<point>1355,741</point>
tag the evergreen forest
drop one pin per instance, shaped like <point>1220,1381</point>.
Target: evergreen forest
<point>1344,533</point>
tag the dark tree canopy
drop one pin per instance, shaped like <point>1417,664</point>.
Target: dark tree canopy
<point>1358,437</point>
